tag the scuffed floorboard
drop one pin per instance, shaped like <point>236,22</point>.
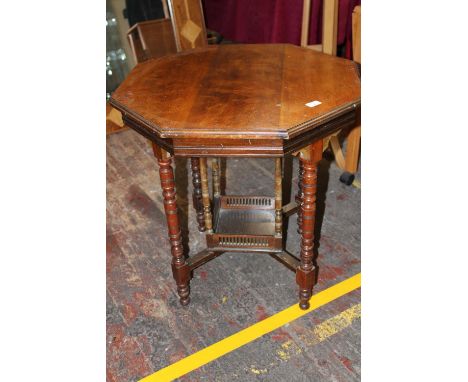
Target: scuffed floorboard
<point>147,329</point>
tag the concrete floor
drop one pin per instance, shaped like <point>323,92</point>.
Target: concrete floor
<point>147,329</point>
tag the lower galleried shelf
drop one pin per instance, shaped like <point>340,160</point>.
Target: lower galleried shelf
<point>244,223</point>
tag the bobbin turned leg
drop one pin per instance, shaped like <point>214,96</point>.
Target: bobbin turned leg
<point>197,193</point>
<point>278,197</point>
<point>216,168</point>
<point>305,273</point>
<point>180,268</point>
<point>206,196</point>
<point>299,196</point>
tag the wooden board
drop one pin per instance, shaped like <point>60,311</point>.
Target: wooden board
<point>354,136</point>
<point>239,91</point>
<point>114,122</point>
<point>305,23</point>
<point>188,23</point>
<point>151,39</point>
<point>357,34</point>
<point>330,26</point>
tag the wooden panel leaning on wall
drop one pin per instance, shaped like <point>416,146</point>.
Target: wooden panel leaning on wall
<point>185,29</point>
<point>114,122</point>
<point>147,39</point>
<point>354,136</point>
<point>151,39</point>
<point>348,162</point>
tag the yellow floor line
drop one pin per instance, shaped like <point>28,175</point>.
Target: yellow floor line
<point>318,333</point>
<point>335,324</point>
<point>251,333</point>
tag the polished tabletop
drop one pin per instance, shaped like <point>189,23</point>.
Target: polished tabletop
<point>274,91</point>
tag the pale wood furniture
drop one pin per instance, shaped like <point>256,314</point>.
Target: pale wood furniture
<point>182,28</point>
<point>114,122</point>
<point>354,136</point>
<point>150,39</point>
<point>188,23</point>
<point>147,39</point>
<point>255,104</point>
<point>357,34</point>
<point>349,162</point>
<point>329,27</point>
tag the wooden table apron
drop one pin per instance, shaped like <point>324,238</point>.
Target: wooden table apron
<point>239,223</point>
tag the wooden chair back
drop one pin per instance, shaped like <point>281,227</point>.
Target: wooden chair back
<point>357,34</point>
<point>151,39</point>
<point>183,28</point>
<point>349,164</point>
<point>329,27</point>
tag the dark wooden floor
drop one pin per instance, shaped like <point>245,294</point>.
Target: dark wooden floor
<point>147,329</point>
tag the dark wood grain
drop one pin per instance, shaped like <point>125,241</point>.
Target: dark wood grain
<point>246,223</point>
<point>239,92</point>
<point>299,196</point>
<point>180,268</point>
<point>305,274</point>
<point>245,101</point>
<point>197,193</point>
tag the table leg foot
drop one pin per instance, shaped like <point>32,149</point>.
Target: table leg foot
<point>305,280</point>
<point>182,276</point>
<point>184,294</point>
<point>304,300</point>
<point>197,193</point>
<point>184,301</point>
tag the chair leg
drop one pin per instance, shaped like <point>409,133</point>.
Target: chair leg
<point>337,152</point>
<point>197,193</point>
<point>352,150</point>
<point>305,273</point>
<point>180,267</point>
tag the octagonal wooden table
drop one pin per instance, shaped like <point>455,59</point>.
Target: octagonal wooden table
<point>241,101</point>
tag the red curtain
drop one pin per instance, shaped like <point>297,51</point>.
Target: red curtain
<point>274,21</point>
